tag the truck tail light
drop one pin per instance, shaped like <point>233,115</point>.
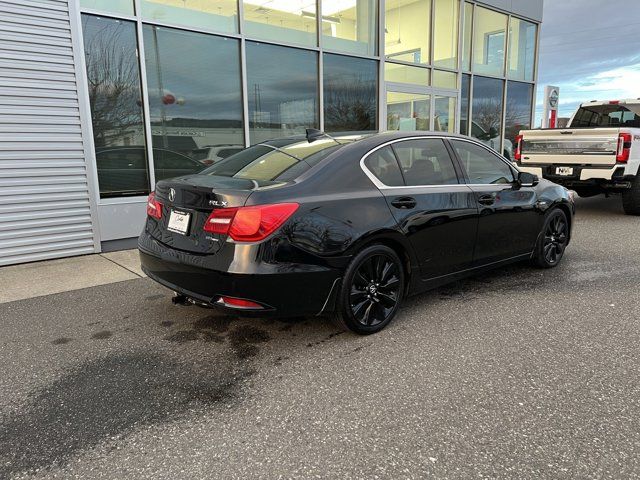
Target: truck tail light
<point>517,154</point>
<point>154,207</point>
<point>624,147</point>
<point>249,224</point>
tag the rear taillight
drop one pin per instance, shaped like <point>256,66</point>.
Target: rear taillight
<point>517,154</point>
<point>154,207</point>
<point>624,147</point>
<point>239,303</point>
<point>249,224</point>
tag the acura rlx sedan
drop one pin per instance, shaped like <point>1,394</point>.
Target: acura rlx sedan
<point>347,226</point>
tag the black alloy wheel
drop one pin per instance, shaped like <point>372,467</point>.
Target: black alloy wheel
<point>372,290</point>
<point>553,241</point>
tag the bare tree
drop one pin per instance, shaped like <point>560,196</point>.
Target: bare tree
<point>350,105</point>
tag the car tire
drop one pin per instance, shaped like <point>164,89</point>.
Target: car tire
<point>552,241</point>
<point>631,198</point>
<point>371,292</point>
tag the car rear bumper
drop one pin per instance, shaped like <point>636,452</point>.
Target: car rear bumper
<point>282,289</point>
<point>582,176</point>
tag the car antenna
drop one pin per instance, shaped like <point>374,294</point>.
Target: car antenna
<point>314,134</point>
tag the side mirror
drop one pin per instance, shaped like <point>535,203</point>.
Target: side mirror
<point>526,179</point>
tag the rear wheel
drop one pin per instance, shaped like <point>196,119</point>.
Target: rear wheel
<point>553,240</point>
<point>371,291</point>
<point>631,197</point>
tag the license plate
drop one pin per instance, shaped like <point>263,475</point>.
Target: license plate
<point>564,170</point>
<point>179,222</point>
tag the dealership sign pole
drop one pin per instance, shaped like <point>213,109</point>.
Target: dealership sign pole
<point>550,117</point>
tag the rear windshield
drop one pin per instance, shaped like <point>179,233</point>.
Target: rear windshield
<point>270,163</point>
<point>607,116</point>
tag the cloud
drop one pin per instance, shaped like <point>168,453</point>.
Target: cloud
<point>586,49</point>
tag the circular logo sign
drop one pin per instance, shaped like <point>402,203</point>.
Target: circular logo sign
<point>553,98</point>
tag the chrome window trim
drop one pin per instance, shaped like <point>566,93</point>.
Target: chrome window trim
<point>382,186</point>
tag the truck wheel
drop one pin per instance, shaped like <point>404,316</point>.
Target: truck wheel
<point>631,198</point>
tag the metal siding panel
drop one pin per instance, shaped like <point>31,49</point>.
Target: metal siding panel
<point>45,198</point>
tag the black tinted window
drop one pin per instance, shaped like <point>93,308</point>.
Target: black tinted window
<point>482,166</point>
<point>607,116</point>
<point>383,164</point>
<point>425,162</point>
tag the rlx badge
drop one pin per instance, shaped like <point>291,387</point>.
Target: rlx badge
<point>218,203</point>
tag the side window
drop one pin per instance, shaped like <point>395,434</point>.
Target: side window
<point>426,162</point>
<point>482,166</point>
<point>382,163</point>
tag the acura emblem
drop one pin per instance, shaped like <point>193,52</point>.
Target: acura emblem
<point>172,194</point>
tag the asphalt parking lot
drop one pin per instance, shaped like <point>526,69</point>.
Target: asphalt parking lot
<point>520,373</point>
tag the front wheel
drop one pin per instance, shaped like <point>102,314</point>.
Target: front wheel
<point>371,292</point>
<point>553,240</point>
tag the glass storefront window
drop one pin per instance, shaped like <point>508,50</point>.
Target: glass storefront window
<point>350,26</point>
<point>407,30</point>
<point>445,34</point>
<point>486,111</point>
<point>489,42</point>
<point>121,7</point>
<point>465,97</point>
<point>220,16</point>
<point>444,114</point>
<point>398,73</point>
<point>192,124</point>
<point>290,21</point>
<point>408,111</point>
<point>445,79</point>
<point>518,113</point>
<point>282,90</point>
<point>522,49</point>
<point>466,37</point>
<point>115,99</point>
<point>350,93</point>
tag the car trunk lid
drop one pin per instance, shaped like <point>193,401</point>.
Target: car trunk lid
<point>188,201</point>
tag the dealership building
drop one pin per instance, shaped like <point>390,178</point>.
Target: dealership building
<point>102,98</point>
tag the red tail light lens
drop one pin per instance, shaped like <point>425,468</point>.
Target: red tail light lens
<point>624,147</point>
<point>239,303</point>
<point>154,207</point>
<point>517,154</point>
<point>249,224</point>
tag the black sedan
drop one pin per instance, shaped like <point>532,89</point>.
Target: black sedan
<point>347,226</point>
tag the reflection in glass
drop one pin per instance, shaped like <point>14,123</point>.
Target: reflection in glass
<point>465,96</point>
<point>443,79</point>
<point>466,37</point>
<point>282,90</point>
<point>522,49</point>
<point>220,16</point>
<point>113,76</point>
<point>486,111</point>
<point>122,7</point>
<point>408,111</point>
<point>350,26</point>
<point>445,34</point>
<point>193,124</point>
<point>396,72</point>
<point>518,113</point>
<point>489,39</point>
<point>290,21</point>
<point>407,30</point>
<point>350,93</point>
<point>444,114</point>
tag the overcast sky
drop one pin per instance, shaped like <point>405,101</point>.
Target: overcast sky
<point>591,50</point>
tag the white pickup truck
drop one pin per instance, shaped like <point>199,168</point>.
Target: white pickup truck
<point>598,153</point>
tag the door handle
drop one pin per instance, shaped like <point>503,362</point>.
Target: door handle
<point>488,199</point>
<point>404,202</point>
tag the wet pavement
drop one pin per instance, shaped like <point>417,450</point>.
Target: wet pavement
<point>519,373</point>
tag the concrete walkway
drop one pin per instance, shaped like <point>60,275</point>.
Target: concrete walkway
<point>18,282</point>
